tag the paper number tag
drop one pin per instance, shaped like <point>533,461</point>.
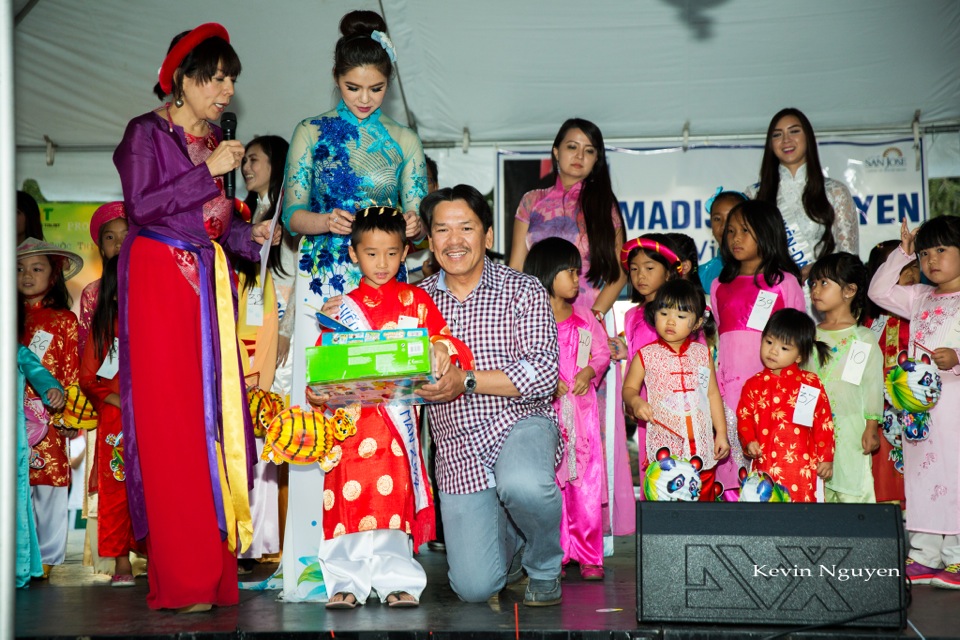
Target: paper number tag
<point>407,322</point>
<point>879,325</point>
<point>762,308</point>
<point>703,384</point>
<point>856,362</point>
<point>806,403</point>
<point>111,364</point>
<point>40,342</point>
<point>255,307</point>
<point>583,347</point>
<point>703,378</point>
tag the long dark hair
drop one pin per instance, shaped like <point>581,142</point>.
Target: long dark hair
<point>548,258</point>
<point>687,251</point>
<point>275,149</point>
<point>814,199</point>
<point>106,312</point>
<point>597,201</point>
<point>57,297</point>
<point>201,64</point>
<point>356,47</point>
<point>31,213</point>
<point>796,328</point>
<point>845,269</point>
<point>766,223</point>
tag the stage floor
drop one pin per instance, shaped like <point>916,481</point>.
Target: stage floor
<point>75,603</point>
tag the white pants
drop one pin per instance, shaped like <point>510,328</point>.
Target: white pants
<point>50,513</point>
<point>932,549</point>
<point>381,559</point>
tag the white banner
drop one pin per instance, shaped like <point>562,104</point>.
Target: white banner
<point>665,189</point>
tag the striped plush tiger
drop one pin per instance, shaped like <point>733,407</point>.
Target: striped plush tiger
<point>264,406</point>
<point>304,437</point>
<point>78,412</point>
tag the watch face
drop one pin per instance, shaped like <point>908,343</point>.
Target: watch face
<point>471,382</point>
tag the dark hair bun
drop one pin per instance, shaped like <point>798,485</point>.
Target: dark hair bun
<point>357,48</point>
<point>361,23</point>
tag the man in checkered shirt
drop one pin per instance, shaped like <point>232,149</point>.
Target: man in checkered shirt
<point>495,430</point>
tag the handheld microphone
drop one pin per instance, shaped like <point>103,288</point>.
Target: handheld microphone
<point>228,122</point>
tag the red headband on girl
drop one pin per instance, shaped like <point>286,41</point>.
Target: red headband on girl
<point>644,243</point>
<point>184,46</point>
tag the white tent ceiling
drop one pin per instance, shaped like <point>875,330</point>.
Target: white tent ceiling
<point>512,70</point>
<point>508,70</point>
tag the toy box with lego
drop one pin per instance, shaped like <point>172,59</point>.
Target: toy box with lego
<point>370,366</point>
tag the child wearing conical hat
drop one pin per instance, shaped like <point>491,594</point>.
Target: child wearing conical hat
<point>50,331</point>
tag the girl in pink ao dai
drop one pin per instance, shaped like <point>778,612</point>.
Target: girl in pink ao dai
<point>584,357</point>
<point>758,278</point>
<point>930,467</point>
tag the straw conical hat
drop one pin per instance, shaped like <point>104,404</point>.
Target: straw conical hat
<point>34,247</point>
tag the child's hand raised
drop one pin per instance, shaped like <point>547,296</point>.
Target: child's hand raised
<point>945,358</point>
<point>907,237</point>
<point>56,400</point>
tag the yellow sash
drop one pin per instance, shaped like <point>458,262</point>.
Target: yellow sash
<point>232,452</point>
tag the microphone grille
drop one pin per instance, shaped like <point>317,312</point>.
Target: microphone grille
<point>228,120</point>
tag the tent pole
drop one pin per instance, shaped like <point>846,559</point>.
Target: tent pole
<point>24,12</point>
<point>403,95</point>
<point>8,342</point>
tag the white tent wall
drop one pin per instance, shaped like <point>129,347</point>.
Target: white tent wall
<point>943,155</point>
<point>507,71</point>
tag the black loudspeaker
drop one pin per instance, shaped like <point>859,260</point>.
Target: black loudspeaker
<point>784,564</point>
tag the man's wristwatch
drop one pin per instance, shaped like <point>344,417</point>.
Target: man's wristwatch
<point>470,383</point>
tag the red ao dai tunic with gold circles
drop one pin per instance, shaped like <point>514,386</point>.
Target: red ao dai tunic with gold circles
<point>371,486</point>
